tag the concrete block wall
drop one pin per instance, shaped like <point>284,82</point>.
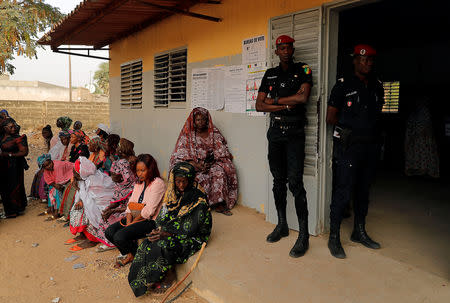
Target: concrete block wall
<point>36,114</point>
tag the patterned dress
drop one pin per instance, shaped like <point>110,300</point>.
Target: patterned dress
<point>220,180</point>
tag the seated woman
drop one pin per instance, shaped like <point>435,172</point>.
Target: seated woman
<point>94,191</point>
<point>77,138</point>
<point>64,124</point>
<point>124,177</point>
<point>61,149</point>
<point>201,144</point>
<point>144,206</point>
<point>111,152</point>
<point>57,175</point>
<point>39,189</point>
<point>97,147</point>
<point>184,223</point>
<point>13,150</point>
<point>77,126</point>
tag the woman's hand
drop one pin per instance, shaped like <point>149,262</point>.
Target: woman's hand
<point>79,205</point>
<point>157,235</point>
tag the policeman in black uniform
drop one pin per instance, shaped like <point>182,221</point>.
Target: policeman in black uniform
<point>354,109</point>
<point>284,92</point>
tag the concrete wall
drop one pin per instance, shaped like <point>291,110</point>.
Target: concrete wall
<point>40,91</point>
<point>33,114</point>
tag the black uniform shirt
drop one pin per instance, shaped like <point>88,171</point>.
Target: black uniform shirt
<point>359,105</point>
<point>279,83</point>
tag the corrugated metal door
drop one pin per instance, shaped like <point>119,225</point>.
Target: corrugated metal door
<point>305,28</point>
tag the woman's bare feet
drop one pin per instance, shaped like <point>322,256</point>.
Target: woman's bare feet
<point>161,287</point>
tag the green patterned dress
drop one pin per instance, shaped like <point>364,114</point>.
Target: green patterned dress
<point>189,230</point>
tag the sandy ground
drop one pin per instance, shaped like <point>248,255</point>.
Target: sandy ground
<point>41,273</point>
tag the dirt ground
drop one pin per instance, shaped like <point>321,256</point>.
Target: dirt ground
<point>34,267</point>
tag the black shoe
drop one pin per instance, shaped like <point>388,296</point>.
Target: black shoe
<point>280,231</point>
<point>300,247</point>
<point>359,235</point>
<point>335,247</point>
<point>302,244</point>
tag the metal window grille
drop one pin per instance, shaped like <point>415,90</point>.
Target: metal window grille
<point>170,78</point>
<point>131,84</point>
<point>391,97</point>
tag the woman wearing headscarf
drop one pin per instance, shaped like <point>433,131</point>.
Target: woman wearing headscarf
<point>97,147</point>
<point>201,144</point>
<point>39,189</point>
<point>61,149</point>
<point>77,126</point>
<point>142,209</point>
<point>94,191</point>
<point>183,224</point>
<point>124,179</point>
<point>13,149</point>
<point>57,175</point>
<point>63,123</point>
<point>77,138</point>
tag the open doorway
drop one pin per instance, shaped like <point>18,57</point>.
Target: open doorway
<point>409,208</point>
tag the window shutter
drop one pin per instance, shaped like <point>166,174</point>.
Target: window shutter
<point>305,28</point>
<point>131,85</point>
<point>170,78</point>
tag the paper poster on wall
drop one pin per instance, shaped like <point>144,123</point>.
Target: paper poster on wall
<point>254,50</point>
<point>208,88</point>
<point>255,73</point>
<point>235,94</point>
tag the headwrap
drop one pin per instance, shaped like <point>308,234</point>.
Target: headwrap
<point>65,121</point>
<point>64,134</point>
<point>78,123</point>
<point>86,168</point>
<point>42,158</point>
<point>176,203</point>
<point>104,128</point>
<point>97,141</point>
<point>80,135</point>
<point>4,111</point>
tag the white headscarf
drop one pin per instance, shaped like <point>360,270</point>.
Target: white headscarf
<point>96,191</point>
<point>104,128</point>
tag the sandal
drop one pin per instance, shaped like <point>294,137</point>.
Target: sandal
<point>71,241</point>
<point>225,212</point>
<point>44,213</point>
<point>103,248</point>
<point>119,264</point>
<point>76,248</point>
<point>51,218</point>
<point>61,219</point>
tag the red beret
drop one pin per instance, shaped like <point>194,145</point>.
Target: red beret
<point>284,39</point>
<point>364,50</point>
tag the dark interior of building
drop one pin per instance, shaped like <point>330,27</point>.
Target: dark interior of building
<point>411,38</point>
<point>408,214</point>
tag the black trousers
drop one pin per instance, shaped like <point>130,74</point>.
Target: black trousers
<point>354,170</point>
<point>286,161</point>
<point>124,238</point>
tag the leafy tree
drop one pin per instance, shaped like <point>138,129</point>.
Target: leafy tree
<point>20,23</point>
<point>101,77</point>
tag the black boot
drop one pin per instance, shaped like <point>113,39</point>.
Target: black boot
<point>334,242</point>
<point>302,244</point>
<point>360,235</point>
<point>281,230</point>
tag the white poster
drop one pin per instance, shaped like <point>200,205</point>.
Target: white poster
<point>254,50</point>
<point>255,73</point>
<point>207,88</point>
<point>235,80</point>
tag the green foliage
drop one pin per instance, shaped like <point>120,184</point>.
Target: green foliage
<point>101,77</point>
<point>20,24</point>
